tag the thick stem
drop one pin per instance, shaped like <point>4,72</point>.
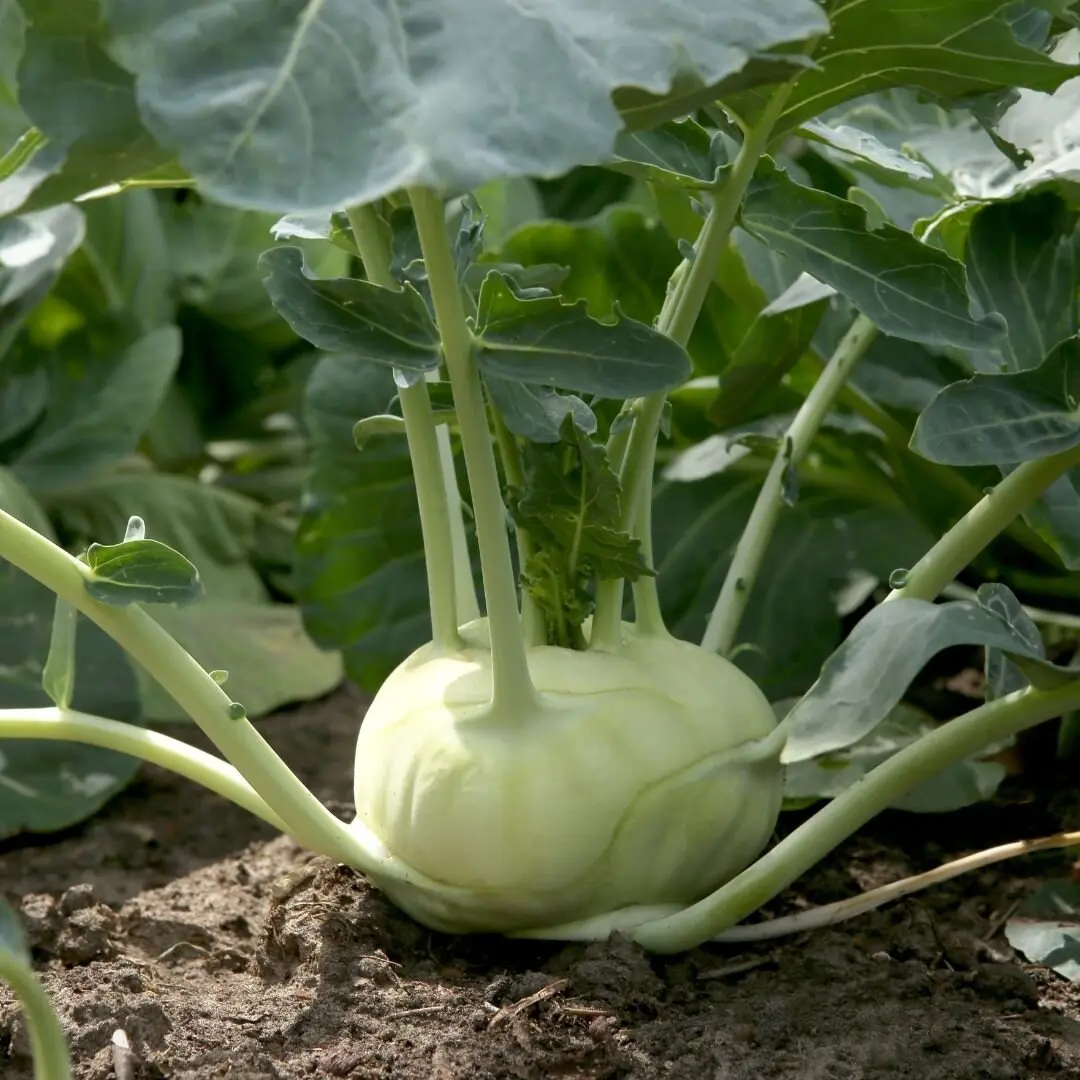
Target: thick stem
<point>981,524</point>
<point>731,603</point>
<point>682,305</point>
<point>192,688</point>
<point>512,689</point>
<point>850,810</point>
<point>68,725</point>
<point>47,1042</point>
<point>427,462</point>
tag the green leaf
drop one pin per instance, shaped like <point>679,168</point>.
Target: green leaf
<point>1056,517</point>
<point>546,342</point>
<point>820,546</point>
<point>141,572</point>
<point>270,658</point>
<point>359,573</point>
<point>866,677</point>
<point>778,338</point>
<point>103,394</point>
<point>306,69</point>
<point>537,413</point>
<point>83,103</point>
<point>1023,259</point>
<point>372,427</point>
<point>379,325</point>
<point>908,289</point>
<point>681,154</point>
<point>571,507</point>
<point>854,143</point>
<point>1002,675</point>
<point>966,782</point>
<point>47,785</point>
<point>1046,928</point>
<point>1005,419</point>
<point>949,51</point>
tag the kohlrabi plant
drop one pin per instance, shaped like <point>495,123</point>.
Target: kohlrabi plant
<point>553,761</point>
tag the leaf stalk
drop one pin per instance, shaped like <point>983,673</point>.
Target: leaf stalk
<point>750,552</point>
<point>513,692</point>
<point>422,436</point>
<point>988,518</point>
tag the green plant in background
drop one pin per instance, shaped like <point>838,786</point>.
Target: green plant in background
<point>134,336</point>
<point>811,337</point>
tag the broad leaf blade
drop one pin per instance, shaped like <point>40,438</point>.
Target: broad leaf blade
<point>537,413</point>
<point>950,51</point>
<point>270,659</point>
<point>84,104</point>
<point>966,782</point>
<point>908,289</point>
<point>258,119</point>
<point>545,342</point>
<point>1005,419</point>
<point>348,315</point>
<point>1023,259</point>
<point>141,572</point>
<point>866,677</point>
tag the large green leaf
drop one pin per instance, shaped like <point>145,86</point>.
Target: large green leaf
<point>380,325</point>
<point>909,289</point>
<point>359,574</point>
<point>46,785</point>
<point>546,342</point>
<point>792,621</point>
<point>961,784</point>
<point>100,404</point>
<point>450,94</point>
<point>1023,259</point>
<point>270,659</point>
<point>537,412</point>
<point>949,50</point>
<point>1005,419</point>
<point>865,678</point>
<point>83,102</point>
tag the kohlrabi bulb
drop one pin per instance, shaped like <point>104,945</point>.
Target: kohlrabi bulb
<point>631,784</point>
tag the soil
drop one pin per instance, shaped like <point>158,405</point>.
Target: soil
<point>222,950</point>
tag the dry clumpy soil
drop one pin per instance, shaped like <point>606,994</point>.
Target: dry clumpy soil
<point>224,951</point>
